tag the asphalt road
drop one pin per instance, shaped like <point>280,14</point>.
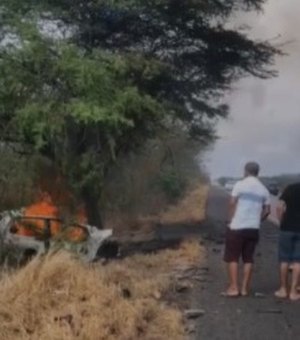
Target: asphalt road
<point>260,316</point>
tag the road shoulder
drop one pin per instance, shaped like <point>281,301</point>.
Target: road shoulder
<point>259,316</point>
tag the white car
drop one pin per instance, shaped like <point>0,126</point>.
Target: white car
<point>88,249</point>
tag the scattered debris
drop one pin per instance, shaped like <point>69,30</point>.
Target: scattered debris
<point>205,269</point>
<point>190,329</point>
<point>194,313</point>
<point>187,269</point>
<point>182,287</point>
<point>259,295</point>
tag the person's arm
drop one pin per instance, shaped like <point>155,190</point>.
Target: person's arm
<point>266,210</point>
<point>232,207</point>
<point>280,210</point>
<point>282,204</point>
<point>233,202</point>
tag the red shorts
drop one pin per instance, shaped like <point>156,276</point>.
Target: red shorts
<point>240,244</point>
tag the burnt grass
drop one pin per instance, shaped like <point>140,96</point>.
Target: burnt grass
<point>165,237</point>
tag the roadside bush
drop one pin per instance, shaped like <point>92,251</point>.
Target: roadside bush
<point>16,180</point>
<point>172,184</point>
<point>146,183</point>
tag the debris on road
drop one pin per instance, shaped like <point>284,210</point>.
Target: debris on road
<point>182,287</point>
<point>190,329</point>
<point>259,295</point>
<point>194,313</point>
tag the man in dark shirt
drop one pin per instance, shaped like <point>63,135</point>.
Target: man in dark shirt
<point>289,241</point>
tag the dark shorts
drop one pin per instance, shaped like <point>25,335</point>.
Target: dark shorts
<point>240,244</point>
<point>289,246</point>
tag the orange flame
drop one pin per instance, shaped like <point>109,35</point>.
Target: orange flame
<point>46,208</point>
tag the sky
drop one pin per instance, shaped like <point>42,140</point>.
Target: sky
<point>264,123</point>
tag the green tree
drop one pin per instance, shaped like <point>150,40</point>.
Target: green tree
<point>126,71</point>
<point>80,112</point>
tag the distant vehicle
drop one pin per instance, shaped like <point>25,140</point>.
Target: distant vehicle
<point>229,185</point>
<point>273,189</point>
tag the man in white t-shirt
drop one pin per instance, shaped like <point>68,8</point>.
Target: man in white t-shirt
<point>249,205</point>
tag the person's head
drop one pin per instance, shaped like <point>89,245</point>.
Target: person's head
<point>252,169</point>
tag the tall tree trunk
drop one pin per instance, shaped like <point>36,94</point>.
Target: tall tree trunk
<point>90,200</point>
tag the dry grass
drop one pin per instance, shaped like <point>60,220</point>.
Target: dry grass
<point>59,298</point>
<point>132,228</point>
<point>191,209</point>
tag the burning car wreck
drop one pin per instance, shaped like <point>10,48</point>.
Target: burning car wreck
<point>33,234</point>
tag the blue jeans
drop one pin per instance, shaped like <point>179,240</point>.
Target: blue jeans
<point>289,247</point>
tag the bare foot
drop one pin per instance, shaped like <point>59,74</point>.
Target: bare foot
<point>230,292</point>
<point>294,296</point>
<point>244,293</point>
<point>281,293</point>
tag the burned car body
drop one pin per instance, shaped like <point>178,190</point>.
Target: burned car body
<point>38,234</point>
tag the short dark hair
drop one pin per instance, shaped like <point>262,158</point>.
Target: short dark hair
<point>252,168</point>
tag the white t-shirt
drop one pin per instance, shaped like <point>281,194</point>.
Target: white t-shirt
<point>252,195</point>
